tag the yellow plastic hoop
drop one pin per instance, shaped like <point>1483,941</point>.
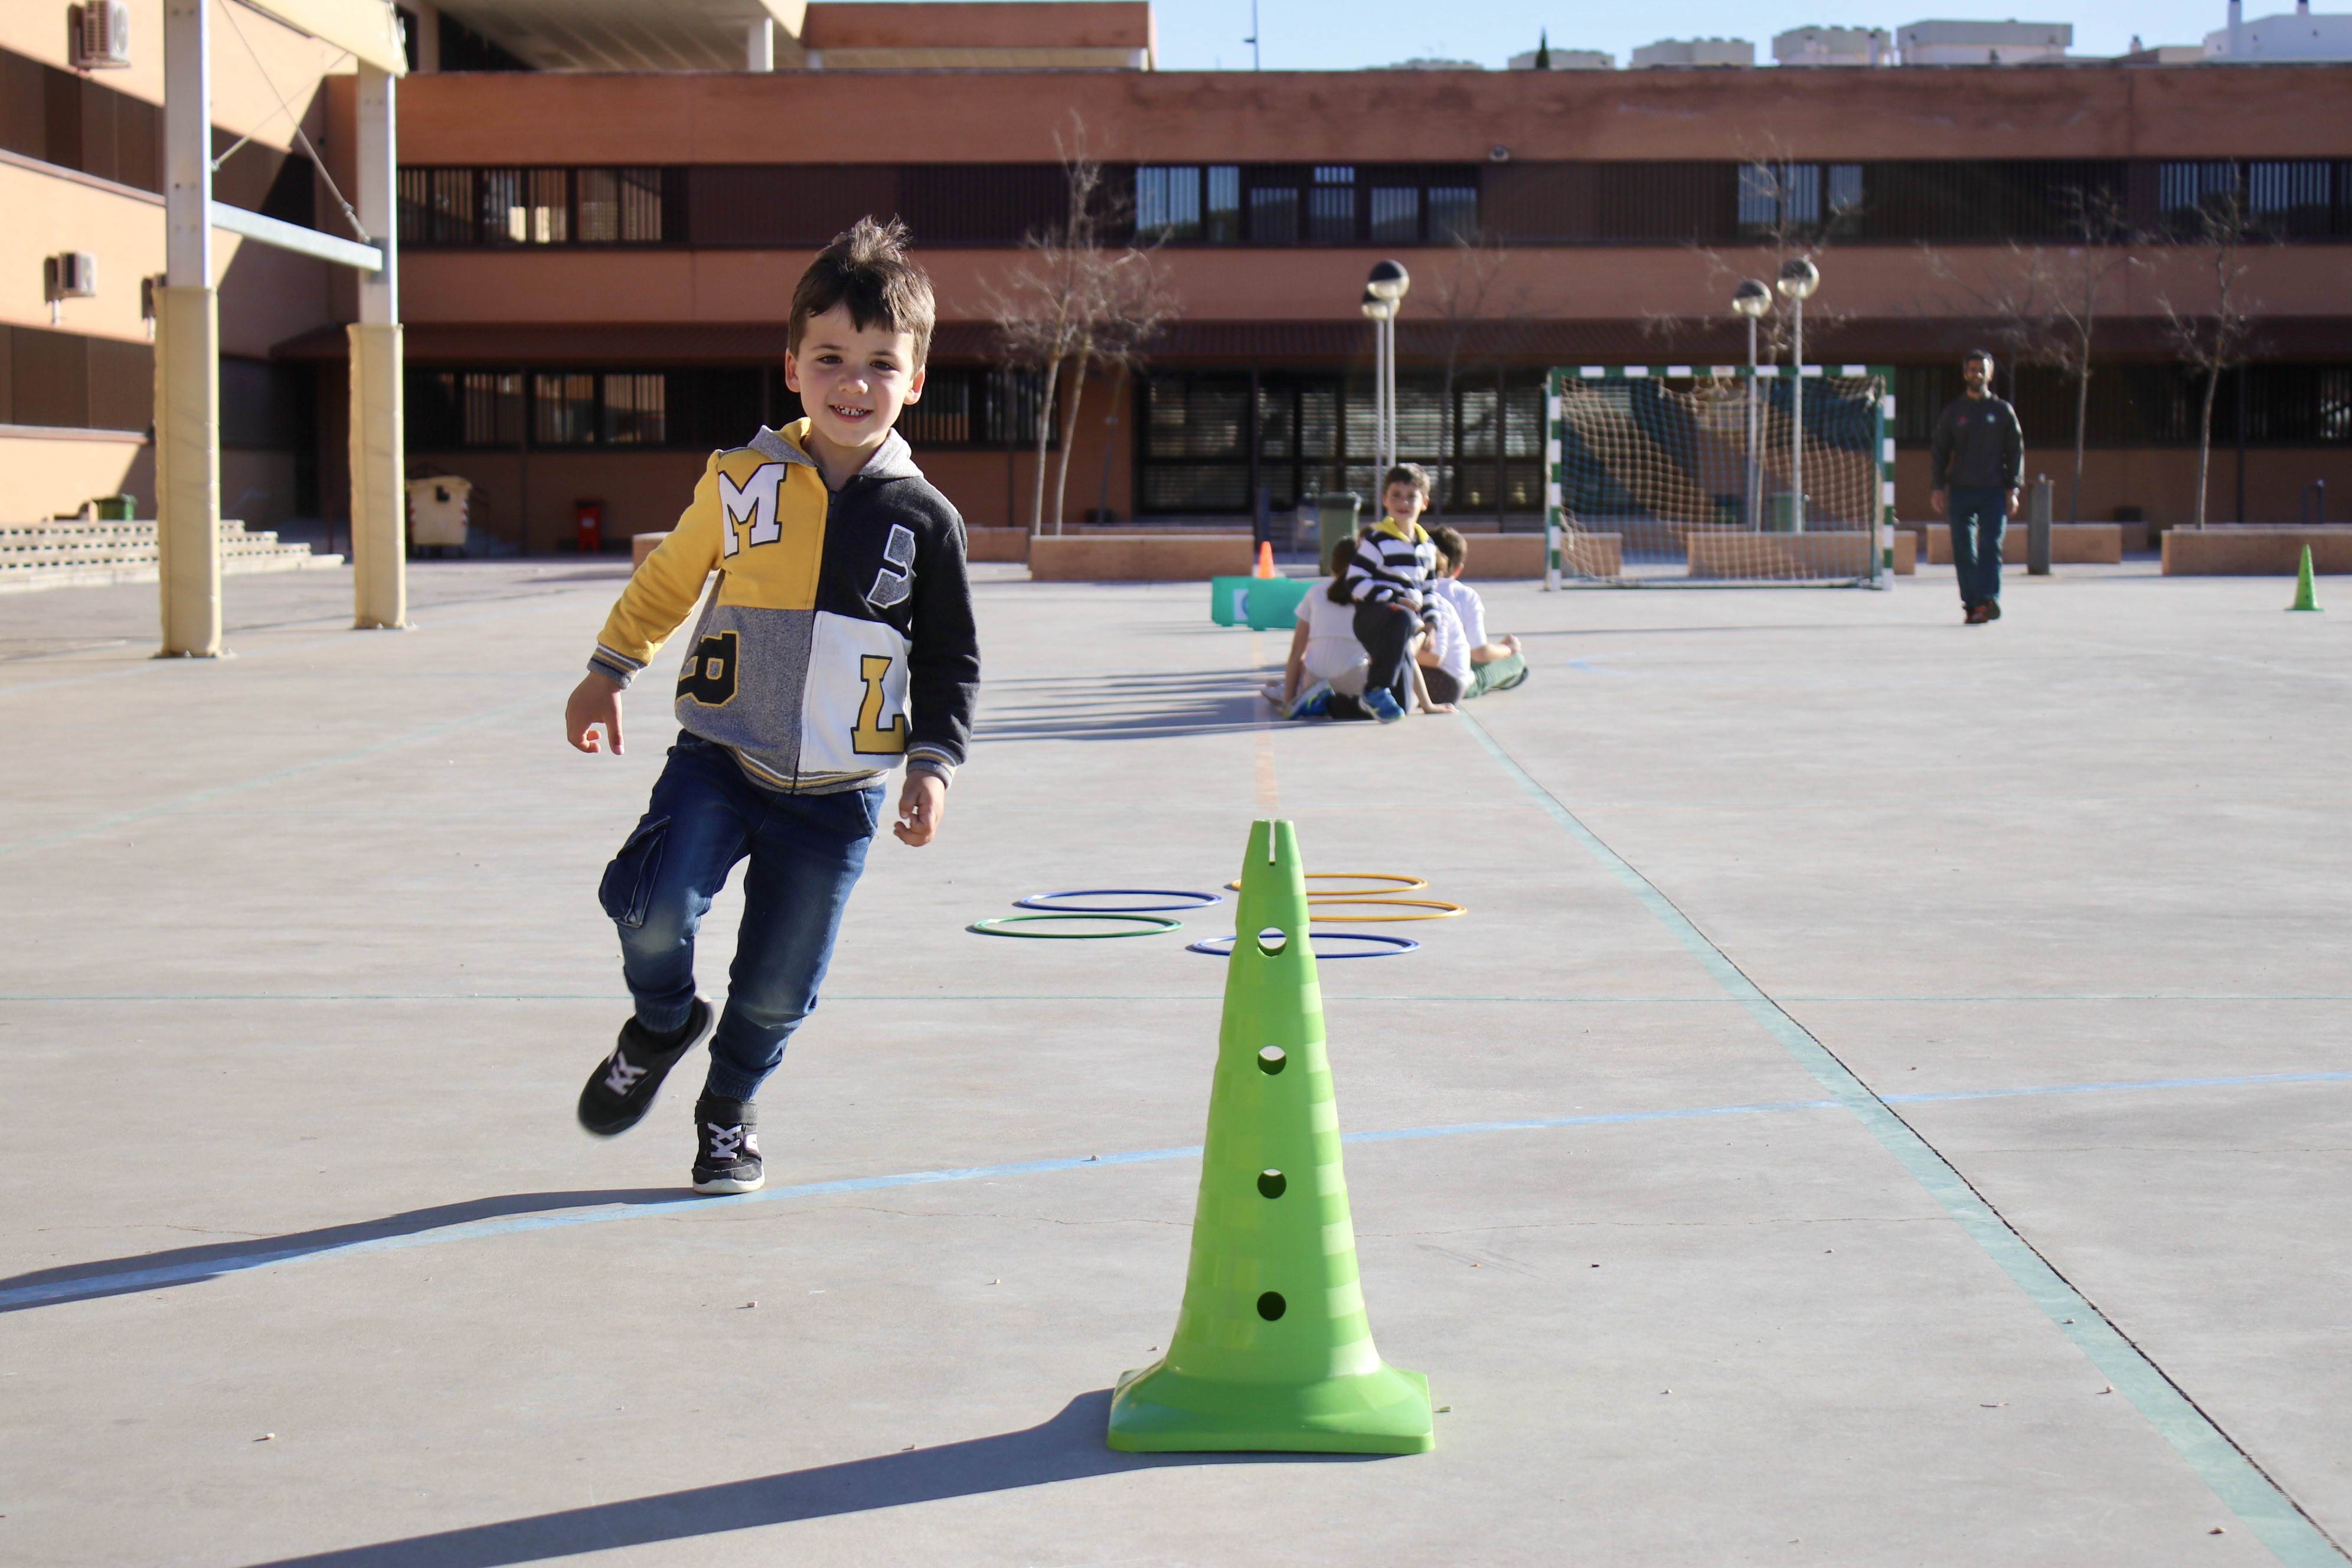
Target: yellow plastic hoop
<point>1403,884</point>
<point>1445,912</point>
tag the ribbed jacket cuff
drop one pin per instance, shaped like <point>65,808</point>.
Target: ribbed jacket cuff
<point>936,762</point>
<point>618,668</point>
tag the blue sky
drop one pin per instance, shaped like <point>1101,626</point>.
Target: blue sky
<point>1338,35</point>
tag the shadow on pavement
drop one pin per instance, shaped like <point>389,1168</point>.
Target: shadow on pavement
<point>189,1265</point>
<point>1068,1447</point>
<point>1119,707</point>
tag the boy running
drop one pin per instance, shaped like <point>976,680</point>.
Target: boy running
<point>836,643</point>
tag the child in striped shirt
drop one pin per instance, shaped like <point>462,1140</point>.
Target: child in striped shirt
<point>1388,579</point>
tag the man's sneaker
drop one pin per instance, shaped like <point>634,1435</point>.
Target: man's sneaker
<point>1310,703</point>
<point>622,1089</point>
<point>1382,703</point>
<point>727,1151</point>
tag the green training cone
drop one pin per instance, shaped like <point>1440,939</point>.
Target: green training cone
<point>2304,598</point>
<point>1272,1350</point>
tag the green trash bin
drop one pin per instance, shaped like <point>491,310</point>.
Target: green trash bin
<point>1335,517</point>
<point>116,509</point>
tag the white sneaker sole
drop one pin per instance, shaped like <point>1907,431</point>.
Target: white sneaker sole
<point>722,1186</point>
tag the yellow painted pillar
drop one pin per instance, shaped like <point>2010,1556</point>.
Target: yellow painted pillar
<point>379,496</point>
<point>187,350</point>
<point>379,493</point>
<point>187,470</point>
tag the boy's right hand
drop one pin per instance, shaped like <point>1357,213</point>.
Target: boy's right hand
<point>595,701</point>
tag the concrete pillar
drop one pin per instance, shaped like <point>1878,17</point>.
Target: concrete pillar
<point>378,452</point>
<point>187,348</point>
<point>187,470</point>
<point>760,46</point>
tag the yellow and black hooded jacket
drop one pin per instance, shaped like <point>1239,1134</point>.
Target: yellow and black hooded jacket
<point>837,640</point>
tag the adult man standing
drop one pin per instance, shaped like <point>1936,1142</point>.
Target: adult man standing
<point>1978,467</point>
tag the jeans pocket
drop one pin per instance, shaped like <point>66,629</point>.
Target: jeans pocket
<point>628,885</point>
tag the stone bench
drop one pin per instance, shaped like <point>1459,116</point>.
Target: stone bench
<point>2070,543</point>
<point>2234,549</point>
<point>1738,553</point>
<point>60,554</point>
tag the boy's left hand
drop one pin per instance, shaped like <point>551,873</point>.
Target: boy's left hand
<point>922,804</point>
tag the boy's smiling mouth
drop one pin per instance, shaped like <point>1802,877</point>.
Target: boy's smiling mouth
<point>846,412</point>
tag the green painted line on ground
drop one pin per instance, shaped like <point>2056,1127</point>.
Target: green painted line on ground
<point>164,808</point>
<point>2242,1485</point>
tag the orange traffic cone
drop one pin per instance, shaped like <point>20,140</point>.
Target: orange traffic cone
<point>1264,561</point>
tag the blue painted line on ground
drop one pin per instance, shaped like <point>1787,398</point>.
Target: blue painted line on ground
<point>686,1204</point>
<point>2241,1484</point>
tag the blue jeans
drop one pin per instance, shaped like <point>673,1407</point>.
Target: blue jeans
<point>1979,518</point>
<point>806,851</point>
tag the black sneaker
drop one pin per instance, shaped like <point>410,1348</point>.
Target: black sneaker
<point>726,1147</point>
<point>1992,609</point>
<point>622,1089</point>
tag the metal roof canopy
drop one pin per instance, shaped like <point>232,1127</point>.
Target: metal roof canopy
<point>630,34</point>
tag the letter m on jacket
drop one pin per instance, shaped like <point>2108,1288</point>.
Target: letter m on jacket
<point>752,503</point>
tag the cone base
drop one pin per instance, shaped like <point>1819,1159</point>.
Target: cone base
<point>1157,1411</point>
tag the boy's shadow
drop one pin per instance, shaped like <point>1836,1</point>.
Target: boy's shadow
<point>1068,1447</point>
<point>189,1265</point>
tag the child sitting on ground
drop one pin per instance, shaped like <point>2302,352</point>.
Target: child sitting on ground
<point>1387,580</point>
<point>1326,660</point>
<point>1495,666</point>
<point>837,643</point>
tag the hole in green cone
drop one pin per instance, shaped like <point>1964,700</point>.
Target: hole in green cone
<point>1272,941</point>
<point>1271,1060</point>
<point>1271,1305</point>
<point>1270,1184</point>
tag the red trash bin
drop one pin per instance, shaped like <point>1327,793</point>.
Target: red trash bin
<point>590,517</point>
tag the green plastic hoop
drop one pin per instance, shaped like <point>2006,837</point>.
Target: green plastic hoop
<point>1155,924</point>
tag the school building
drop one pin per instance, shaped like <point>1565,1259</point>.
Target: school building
<point>602,210</point>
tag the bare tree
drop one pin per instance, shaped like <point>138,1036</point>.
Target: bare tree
<point>2040,306</point>
<point>1465,296</point>
<point>1077,304</point>
<point>2217,338</point>
<point>1798,217</point>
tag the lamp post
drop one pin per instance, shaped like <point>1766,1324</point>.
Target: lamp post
<point>1799,278</point>
<point>1751,299</point>
<point>1386,289</point>
<point>1378,311</point>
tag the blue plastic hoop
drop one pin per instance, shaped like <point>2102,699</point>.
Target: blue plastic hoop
<point>1049,901</point>
<point>1381,946</point>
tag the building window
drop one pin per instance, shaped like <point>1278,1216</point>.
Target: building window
<point>1167,203</point>
<point>636,410</point>
<point>532,206</point>
<point>1274,215</point>
<point>1312,433</point>
<point>563,409</point>
<point>969,405</point>
<point>2185,192</point>
<point>1776,198</point>
<point>2297,199</point>
<point>1224,224</point>
<point>1395,215</point>
<point>1331,206</point>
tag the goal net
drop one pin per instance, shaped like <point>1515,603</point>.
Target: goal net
<point>1658,474</point>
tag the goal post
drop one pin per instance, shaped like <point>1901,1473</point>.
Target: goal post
<point>1659,475</point>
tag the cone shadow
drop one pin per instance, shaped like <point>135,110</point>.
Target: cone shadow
<point>1065,1449</point>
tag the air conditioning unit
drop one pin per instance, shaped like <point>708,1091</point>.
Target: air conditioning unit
<point>72,276</point>
<point>99,34</point>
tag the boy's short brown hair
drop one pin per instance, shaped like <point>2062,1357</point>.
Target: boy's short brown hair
<point>866,267</point>
<point>1412,474</point>
<point>1451,548</point>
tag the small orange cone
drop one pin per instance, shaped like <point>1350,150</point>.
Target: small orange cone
<point>1264,561</point>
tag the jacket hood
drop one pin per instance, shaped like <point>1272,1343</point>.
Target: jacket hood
<point>893,459</point>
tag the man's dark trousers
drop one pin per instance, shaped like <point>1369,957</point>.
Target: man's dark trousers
<point>1980,517</point>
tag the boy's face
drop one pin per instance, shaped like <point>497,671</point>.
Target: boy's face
<point>1404,502</point>
<point>853,380</point>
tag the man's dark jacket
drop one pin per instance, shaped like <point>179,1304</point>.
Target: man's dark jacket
<point>1977,445</point>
